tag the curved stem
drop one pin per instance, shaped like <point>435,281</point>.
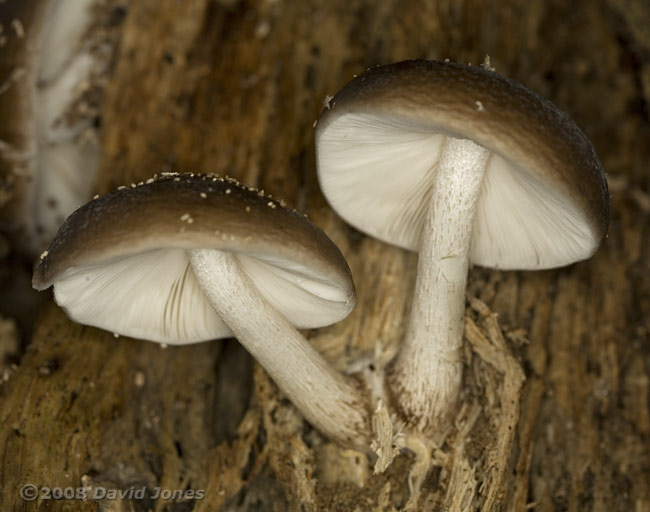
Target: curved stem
<point>329,401</point>
<point>427,373</point>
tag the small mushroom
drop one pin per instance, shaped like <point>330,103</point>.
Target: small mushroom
<point>464,166</point>
<point>188,258</point>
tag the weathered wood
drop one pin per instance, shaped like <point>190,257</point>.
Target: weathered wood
<point>233,87</point>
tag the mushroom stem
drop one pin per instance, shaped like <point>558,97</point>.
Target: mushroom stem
<point>427,373</point>
<point>332,403</point>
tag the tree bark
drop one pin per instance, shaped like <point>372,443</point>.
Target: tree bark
<point>555,412</point>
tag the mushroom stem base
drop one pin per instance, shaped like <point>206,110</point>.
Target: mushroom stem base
<point>427,373</point>
<point>332,403</point>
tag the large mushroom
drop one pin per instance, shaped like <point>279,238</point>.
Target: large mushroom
<point>464,166</point>
<point>188,258</point>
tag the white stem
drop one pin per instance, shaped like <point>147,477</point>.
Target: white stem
<point>427,373</point>
<point>328,400</point>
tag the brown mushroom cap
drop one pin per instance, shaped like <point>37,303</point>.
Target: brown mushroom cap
<point>544,200</point>
<point>126,254</point>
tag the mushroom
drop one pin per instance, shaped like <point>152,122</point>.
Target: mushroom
<point>48,155</point>
<point>188,258</point>
<point>464,166</point>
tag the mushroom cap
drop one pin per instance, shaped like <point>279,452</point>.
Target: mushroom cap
<point>120,262</point>
<point>544,201</point>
